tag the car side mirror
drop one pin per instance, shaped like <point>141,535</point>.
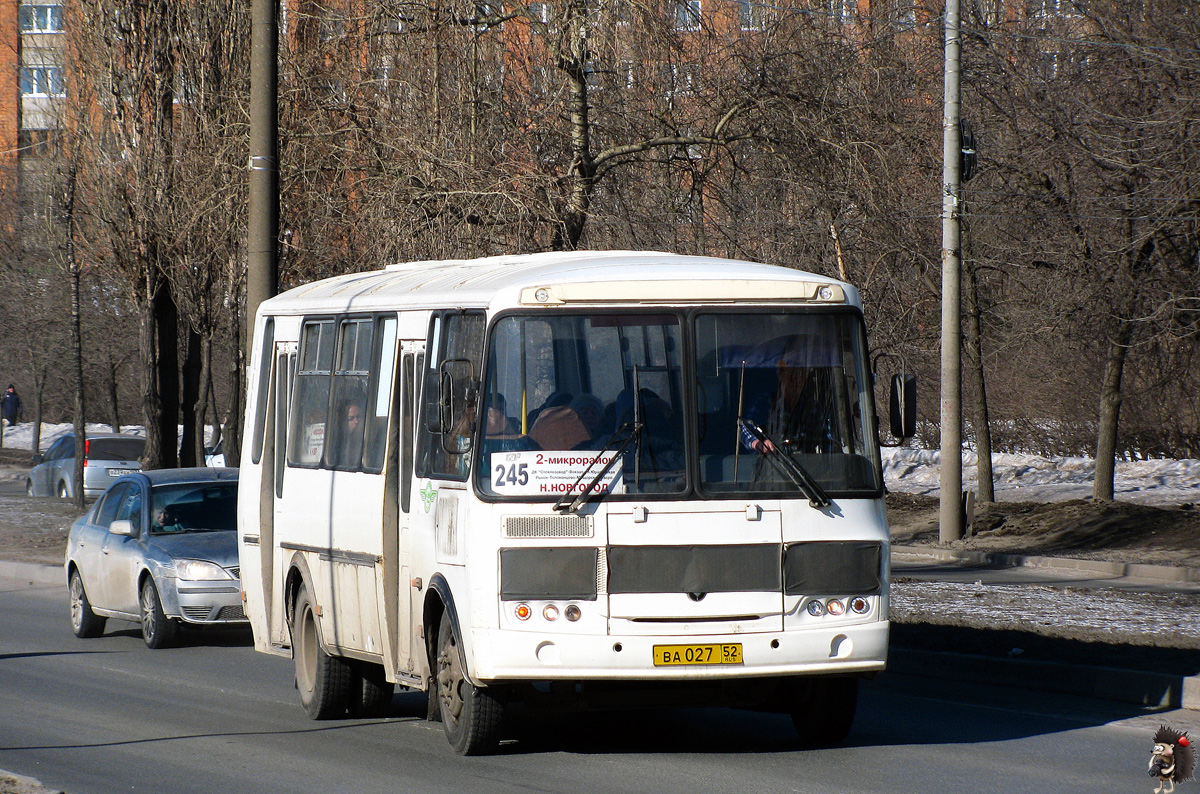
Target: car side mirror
<point>904,406</point>
<point>36,458</point>
<point>122,526</point>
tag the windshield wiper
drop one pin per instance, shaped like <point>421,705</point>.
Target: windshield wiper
<point>561,506</point>
<point>786,465</point>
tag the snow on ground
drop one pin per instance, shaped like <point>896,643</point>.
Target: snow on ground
<point>1032,478</point>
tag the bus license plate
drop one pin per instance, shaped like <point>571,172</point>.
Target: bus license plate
<point>725,653</point>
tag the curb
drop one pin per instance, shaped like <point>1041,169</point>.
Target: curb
<point>1159,690</point>
<point>33,573</point>
<point>1157,573</point>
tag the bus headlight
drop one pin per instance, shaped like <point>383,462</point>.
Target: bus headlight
<point>816,608</point>
<point>860,605</point>
<point>550,612</point>
<point>572,613</point>
<point>522,611</point>
<point>835,607</point>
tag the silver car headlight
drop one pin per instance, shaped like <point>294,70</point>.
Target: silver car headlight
<point>200,570</point>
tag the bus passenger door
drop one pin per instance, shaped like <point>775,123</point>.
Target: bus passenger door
<point>280,402</point>
<point>397,606</point>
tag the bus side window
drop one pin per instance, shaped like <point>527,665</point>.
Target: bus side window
<point>383,376</point>
<point>349,394</point>
<point>265,351</point>
<point>309,414</point>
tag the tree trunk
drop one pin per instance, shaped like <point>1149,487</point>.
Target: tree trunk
<point>151,405</point>
<point>237,376</point>
<point>39,390</point>
<point>76,341</point>
<point>192,374</point>
<point>200,410</point>
<point>114,407</point>
<point>167,322</point>
<point>983,429</point>
<point>1110,411</point>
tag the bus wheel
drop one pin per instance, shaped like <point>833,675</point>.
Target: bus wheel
<point>823,708</point>
<point>323,680</point>
<point>370,691</point>
<point>471,716</point>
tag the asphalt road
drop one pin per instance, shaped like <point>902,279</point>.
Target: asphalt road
<point>109,715</point>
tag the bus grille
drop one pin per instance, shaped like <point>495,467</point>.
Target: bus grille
<point>547,527</point>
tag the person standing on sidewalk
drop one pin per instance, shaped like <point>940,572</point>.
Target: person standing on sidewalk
<point>10,406</point>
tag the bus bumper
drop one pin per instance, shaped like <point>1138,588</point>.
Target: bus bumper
<point>501,655</point>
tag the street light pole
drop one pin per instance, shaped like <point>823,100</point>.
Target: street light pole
<point>951,515</point>
<point>263,210</point>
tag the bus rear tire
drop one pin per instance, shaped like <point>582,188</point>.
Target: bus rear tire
<point>322,680</point>
<point>470,716</point>
<point>370,691</point>
<point>822,709</point>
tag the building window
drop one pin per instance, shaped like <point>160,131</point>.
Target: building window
<point>750,14</point>
<point>687,14</point>
<point>41,81</point>
<point>40,18</point>
<point>37,143</point>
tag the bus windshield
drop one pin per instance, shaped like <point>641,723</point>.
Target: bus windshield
<point>771,402</point>
<point>783,397</point>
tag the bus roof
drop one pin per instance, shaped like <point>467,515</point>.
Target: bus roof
<point>562,278</point>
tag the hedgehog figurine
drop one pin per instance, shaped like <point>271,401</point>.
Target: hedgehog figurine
<point>1173,760</point>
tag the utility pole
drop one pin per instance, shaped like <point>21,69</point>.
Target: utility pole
<point>951,511</point>
<point>263,210</point>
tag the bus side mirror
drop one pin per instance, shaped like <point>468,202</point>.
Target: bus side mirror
<point>904,406</point>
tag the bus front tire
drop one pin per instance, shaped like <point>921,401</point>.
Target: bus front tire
<point>471,716</point>
<point>322,680</point>
<point>822,708</point>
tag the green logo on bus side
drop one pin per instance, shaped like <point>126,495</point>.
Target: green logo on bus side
<point>428,494</point>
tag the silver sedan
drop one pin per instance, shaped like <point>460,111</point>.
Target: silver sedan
<point>158,548</point>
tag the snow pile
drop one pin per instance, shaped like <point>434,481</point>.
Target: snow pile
<point>1036,479</point>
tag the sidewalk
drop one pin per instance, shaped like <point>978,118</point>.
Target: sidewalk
<point>1097,568</point>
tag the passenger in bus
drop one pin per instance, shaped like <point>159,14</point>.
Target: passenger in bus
<point>555,399</point>
<point>590,410</point>
<point>350,443</point>
<point>498,421</point>
<point>559,427</point>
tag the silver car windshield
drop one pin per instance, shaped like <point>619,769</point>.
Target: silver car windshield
<point>194,507</point>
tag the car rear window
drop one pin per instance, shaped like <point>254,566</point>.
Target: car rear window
<point>115,448</point>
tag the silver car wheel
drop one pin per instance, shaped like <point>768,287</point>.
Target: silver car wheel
<point>84,622</point>
<point>157,629</point>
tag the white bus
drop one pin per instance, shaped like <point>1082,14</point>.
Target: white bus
<point>587,478</point>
